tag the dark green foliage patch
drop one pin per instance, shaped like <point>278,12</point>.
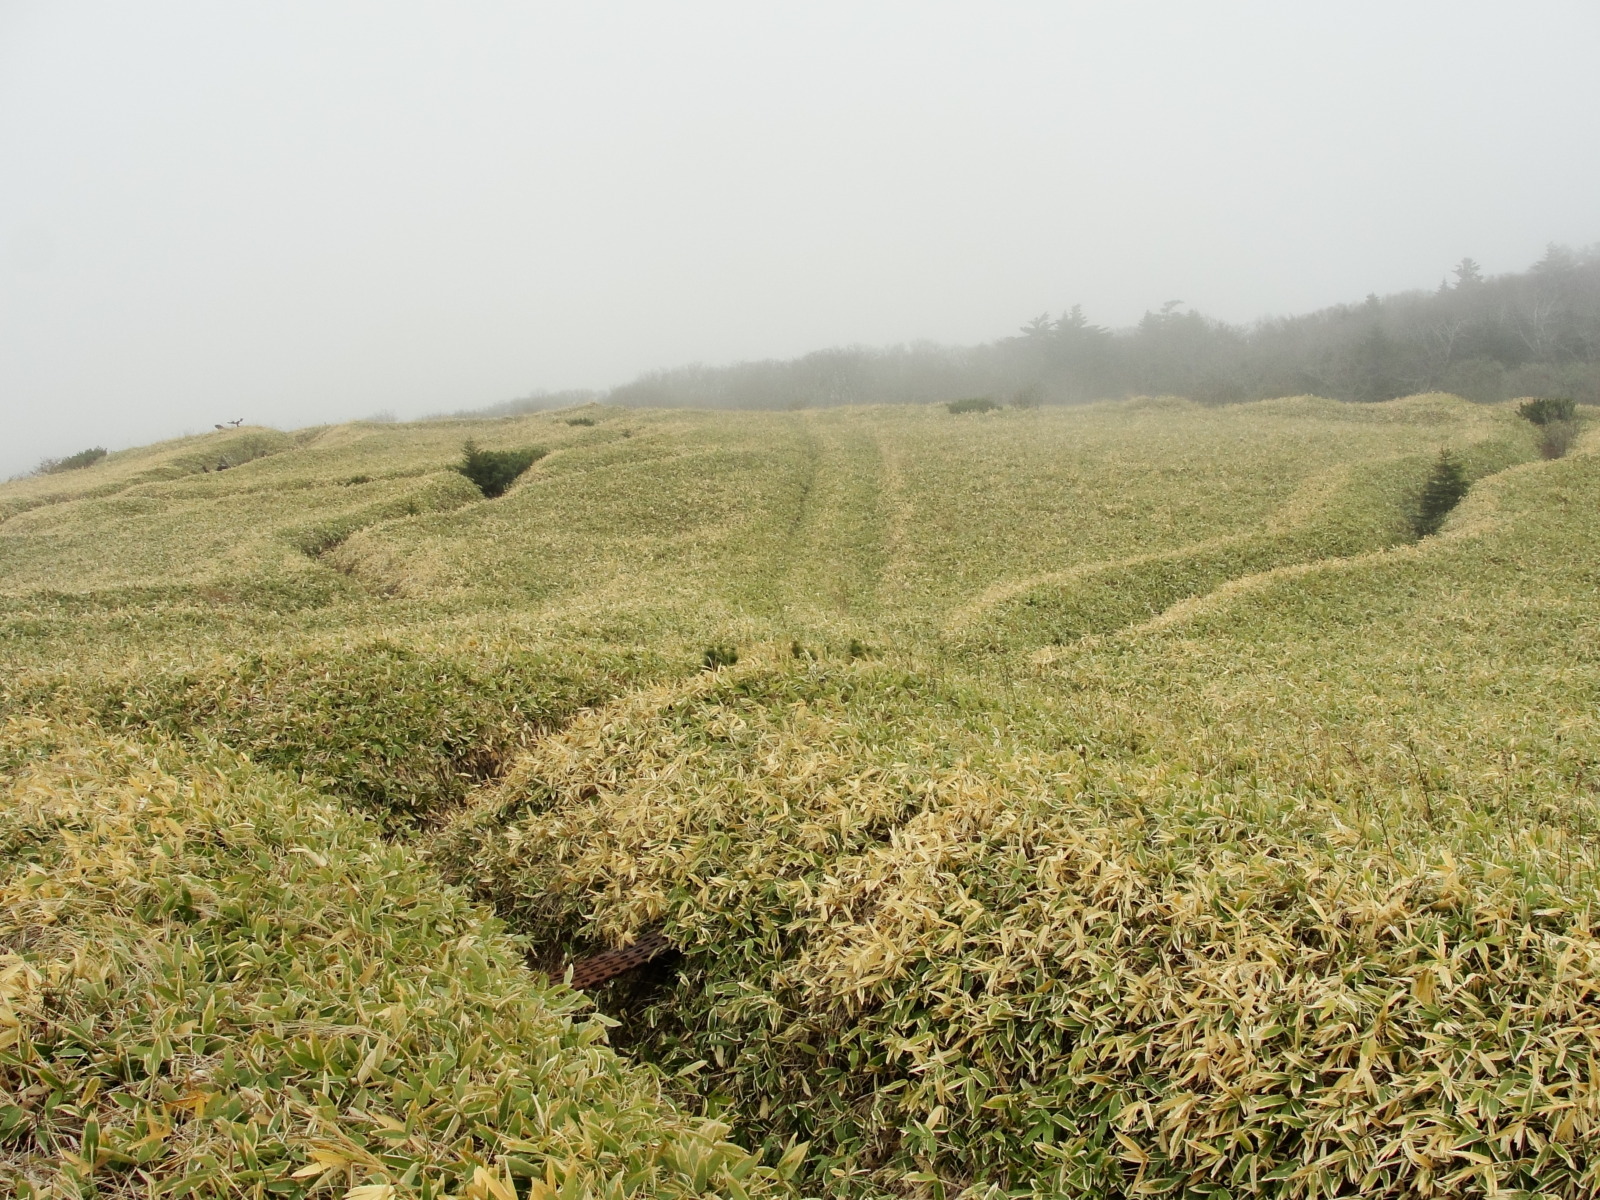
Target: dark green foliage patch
<point>974,404</point>
<point>494,471</point>
<point>72,462</point>
<point>1548,410</point>
<point>1447,484</point>
<point>717,657</point>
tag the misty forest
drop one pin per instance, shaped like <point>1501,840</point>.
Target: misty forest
<point>1535,332</point>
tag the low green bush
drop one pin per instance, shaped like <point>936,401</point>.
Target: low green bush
<point>974,404</point>
<point>1548,410</point>
<point>494,471</point>
<point>717,657</point>
<point>72,462</point>
<point>1556,438</point>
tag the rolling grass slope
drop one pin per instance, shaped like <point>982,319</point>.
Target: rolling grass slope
<point>217,985</point>
<point>1107,801</point>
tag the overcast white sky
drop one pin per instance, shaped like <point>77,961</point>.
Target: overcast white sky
<point>303,212</point>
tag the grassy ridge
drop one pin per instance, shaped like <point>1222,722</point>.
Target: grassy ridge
<point>1309,871</point>
<point>1359,510</point>
<point>942,952</point>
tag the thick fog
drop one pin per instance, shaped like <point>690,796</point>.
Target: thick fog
<point>302,212</point>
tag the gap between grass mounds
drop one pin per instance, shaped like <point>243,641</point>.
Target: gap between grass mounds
<point>1478,515</point>
<point>402,731</point>
<point>1346,512</point>
<point>217,983</point>
<point>210,452</point>
<point>553,773</point>
<point>534,784</point>
<point>944,953</point>
<point>443,492</point>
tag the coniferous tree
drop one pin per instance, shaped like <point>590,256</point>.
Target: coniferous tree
<point>1447,484</point>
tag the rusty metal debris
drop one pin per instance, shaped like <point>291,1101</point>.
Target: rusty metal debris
<point>599,968</point>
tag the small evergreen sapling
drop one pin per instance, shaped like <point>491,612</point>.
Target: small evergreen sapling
<point>1447,484</point>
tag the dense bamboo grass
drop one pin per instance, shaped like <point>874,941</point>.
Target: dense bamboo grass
<point>1111,801</point>
<point>217,985</point>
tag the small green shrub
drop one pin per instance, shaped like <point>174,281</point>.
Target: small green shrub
<point>1556,438</point>
<point>1447,484</point>
<point>1031,396</point>
<point>494,471</point>
<point>73,462</point>
<point>580,420</point>
<point>973,404</point>
<point>1556,418</point>
<point>717,657</point>
<point>1548,411</point>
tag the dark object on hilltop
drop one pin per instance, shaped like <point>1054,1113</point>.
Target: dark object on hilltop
<point>1548,411</point>
<point>580,421</point>
<point>496,470</point>
<point>73,462</point>
<point>1447,484</point>
<point>717,657</point>
<point>972,405</point>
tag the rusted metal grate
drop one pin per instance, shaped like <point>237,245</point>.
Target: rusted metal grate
<point>598,968</point>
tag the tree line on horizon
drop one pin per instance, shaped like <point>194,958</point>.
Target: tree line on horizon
<point>1528,333</point>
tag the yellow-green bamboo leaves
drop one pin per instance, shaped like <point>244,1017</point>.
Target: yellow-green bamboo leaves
<point>217,984</point>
